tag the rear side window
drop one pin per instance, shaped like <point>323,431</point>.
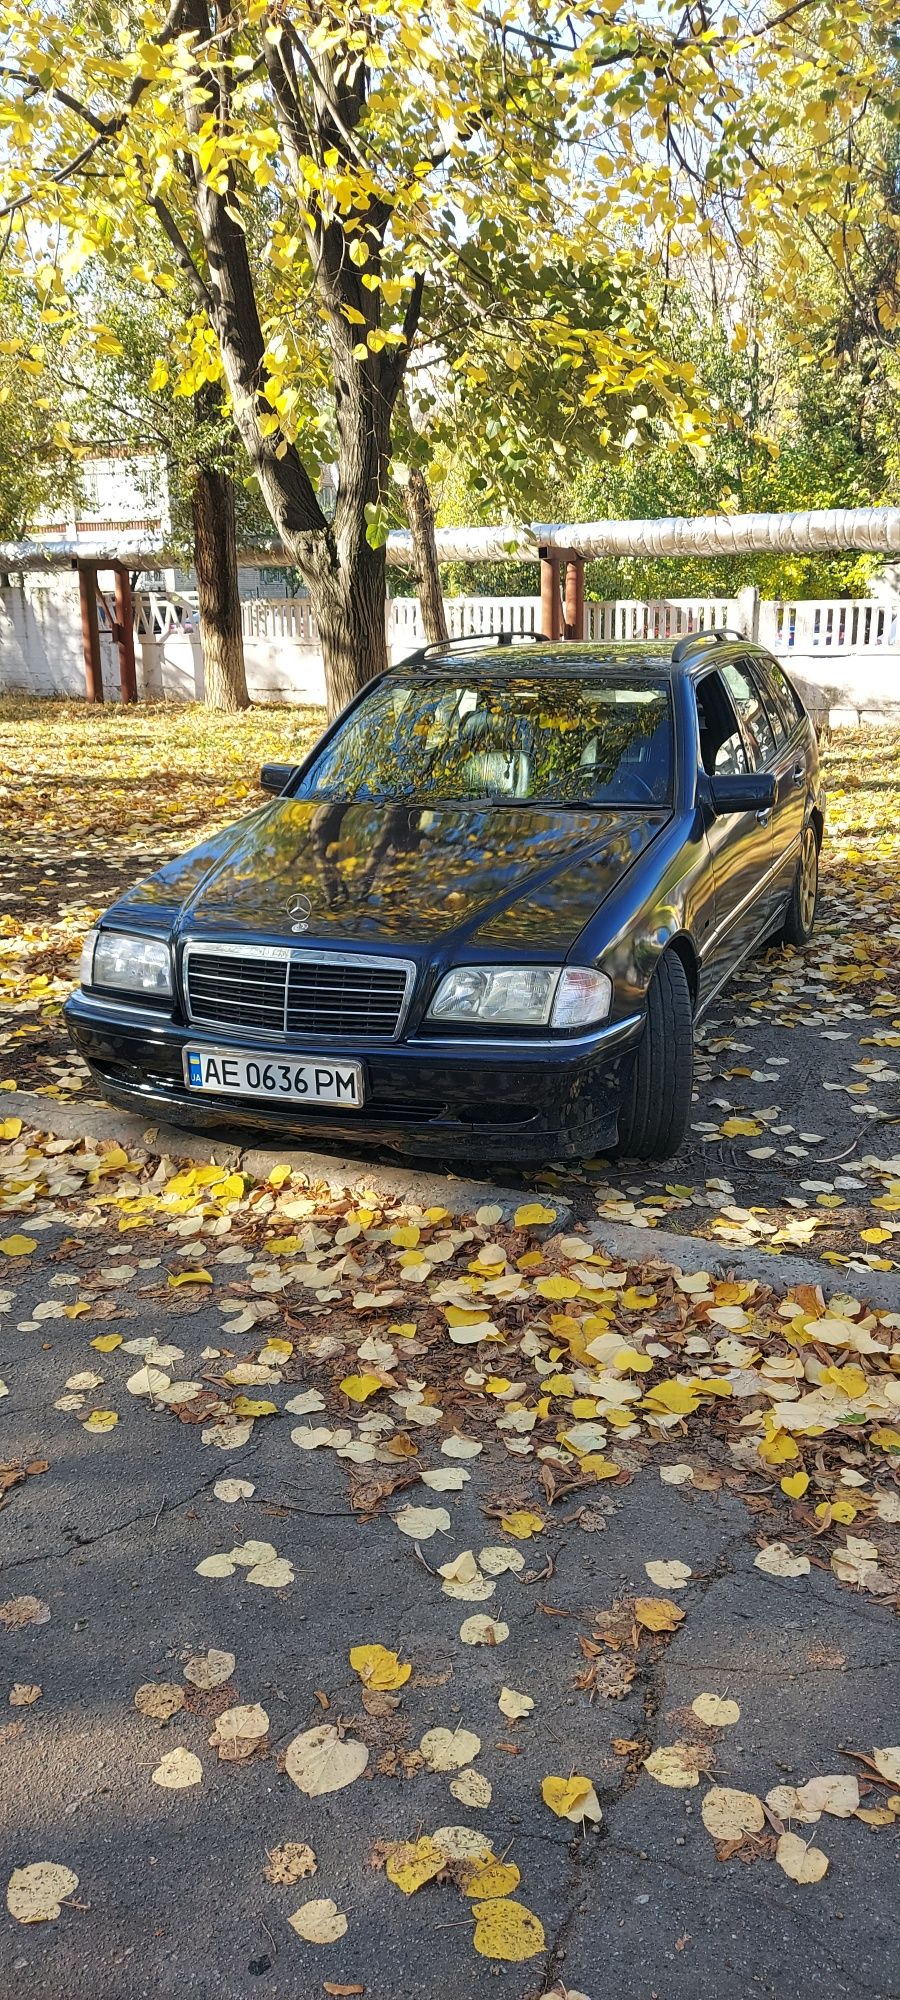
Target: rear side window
<point>790,707</point>
<point>780,727</point>
<point>749,704</point>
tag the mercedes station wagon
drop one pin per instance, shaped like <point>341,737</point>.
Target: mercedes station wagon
<point>483,916</point>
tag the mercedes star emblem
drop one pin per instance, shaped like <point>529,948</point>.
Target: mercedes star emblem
<point>299,908</point>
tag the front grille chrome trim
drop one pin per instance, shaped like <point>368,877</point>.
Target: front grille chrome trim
<point>272,956</point>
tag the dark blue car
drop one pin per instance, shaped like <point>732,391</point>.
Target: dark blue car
<point>483,916</point>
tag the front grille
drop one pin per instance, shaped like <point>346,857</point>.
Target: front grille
<point>300,994</point>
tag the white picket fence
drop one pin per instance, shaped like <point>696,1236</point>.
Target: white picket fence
<point>844,654</point>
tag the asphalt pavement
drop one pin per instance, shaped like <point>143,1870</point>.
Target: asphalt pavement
<point>171,1896</point>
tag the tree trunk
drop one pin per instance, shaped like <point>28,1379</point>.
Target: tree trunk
<point>348,605</point>
<point>420,515</point>
<point>345,577</point>
<point>215,560</point>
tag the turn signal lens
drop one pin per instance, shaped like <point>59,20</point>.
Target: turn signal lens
<point>86,965</point>
<point>583,996</point>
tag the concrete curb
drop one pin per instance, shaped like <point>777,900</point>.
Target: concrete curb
<point>340,1176</point>
<point>700,1253</point>
<point>458,1197</point>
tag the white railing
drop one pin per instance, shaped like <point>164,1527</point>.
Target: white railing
<point>831,625</point>
<point>160,613</point>
<point>657,618</point>
<point>801,626</point>
<point>279,618</point>
<point>467,617</point>
<point>845,654</point>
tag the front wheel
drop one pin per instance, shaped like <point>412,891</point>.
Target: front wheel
<point>800,915</point>
<point>656,1108</point>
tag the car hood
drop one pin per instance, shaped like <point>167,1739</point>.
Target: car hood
<point>406,874</point>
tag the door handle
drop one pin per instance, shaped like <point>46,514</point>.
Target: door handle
<point>798,774</point>
<point>764,815</point>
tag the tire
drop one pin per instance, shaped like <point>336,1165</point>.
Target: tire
<point>656,1107</point>
<point>800,915</point>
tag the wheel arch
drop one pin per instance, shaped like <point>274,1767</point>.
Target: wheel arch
<point>683,947</point>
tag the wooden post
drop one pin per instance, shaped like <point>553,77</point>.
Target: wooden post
<point>90,630</point>
<point>551,602</point>
<point>125,634</point>
<point>574,625</point>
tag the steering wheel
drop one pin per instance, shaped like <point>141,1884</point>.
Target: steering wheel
<point>635,779</point>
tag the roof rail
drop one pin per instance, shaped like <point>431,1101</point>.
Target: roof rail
<point>479,640</point>
<point>715,635</point>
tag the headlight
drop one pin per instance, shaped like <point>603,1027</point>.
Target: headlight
<point>127,964</point>
<point>523,996</point>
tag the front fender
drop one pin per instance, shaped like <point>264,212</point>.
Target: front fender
<point>672,905</point>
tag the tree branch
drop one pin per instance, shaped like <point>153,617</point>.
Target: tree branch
<point>183,257</point>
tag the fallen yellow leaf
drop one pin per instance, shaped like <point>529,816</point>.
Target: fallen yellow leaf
<point>571,1798</point>
<point>360,1387</point>
<point>413,1863</point>
<point>35,1894</point>
<point>522,1524</point>
<point>656,1614</point>
<point>557,1287</point>
<point>379,1668</point>
<point>801,1863</point>
<point>489,1878</point>
<point>506,1930</point>
<point>531,1213</point>
<point>671,1399</point>
<point>675,1766</point>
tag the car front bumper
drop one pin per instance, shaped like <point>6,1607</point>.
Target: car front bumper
<point>528,1100</point>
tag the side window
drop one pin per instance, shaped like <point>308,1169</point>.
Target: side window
<point>748,702</point>
<point>788,700</point>
<point>721,745</point>
<point>771,701</point>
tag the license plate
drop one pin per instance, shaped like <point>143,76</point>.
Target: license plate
<point>283,1080</point>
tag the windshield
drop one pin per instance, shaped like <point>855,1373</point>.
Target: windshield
<point>535,740</point>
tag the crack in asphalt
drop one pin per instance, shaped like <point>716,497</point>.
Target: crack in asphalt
<point>116,1528</point>
<point>782,1673</point>
<point>651,1681</point>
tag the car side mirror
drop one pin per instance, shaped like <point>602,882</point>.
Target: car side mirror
<point>275,778</point>
<point>744,791</point>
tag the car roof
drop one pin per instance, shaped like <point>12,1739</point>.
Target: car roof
<point>540,656</point>
<point>510,654</point>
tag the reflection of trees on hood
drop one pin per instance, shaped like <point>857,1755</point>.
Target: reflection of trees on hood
<point>398,832</point>
<point>413,857</point>
<point>401,871</point>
